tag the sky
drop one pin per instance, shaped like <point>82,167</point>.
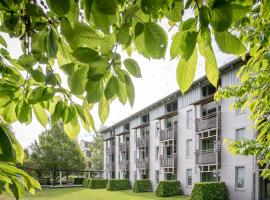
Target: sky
<point>158,80</point>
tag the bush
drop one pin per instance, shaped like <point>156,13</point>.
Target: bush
<point>142,186</point>
<point>210,191</point>
<point>44,181</point>
<point>168,188</point>
<point>97,183</point>
<point>86,182</point>
<point>114,185</point>
<point>78,181</point>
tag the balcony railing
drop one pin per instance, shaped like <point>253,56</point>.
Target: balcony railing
<point>207,156</point>
<point>167,135</point>
<point>168,161</point>
<point>142,164</point>
<point>208,122</point>
<point>124,165</point>
<point>142,141</point>
<point>123,147</point>
<point>110,150</point>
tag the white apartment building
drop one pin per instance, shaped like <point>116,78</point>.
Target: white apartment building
<point>181,137</point>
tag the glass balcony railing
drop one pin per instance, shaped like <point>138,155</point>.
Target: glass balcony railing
<point>208,122</point>
<point>209,156</point>
<point>168,161</point>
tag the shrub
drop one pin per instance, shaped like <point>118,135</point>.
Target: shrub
<point>113,185</point>
<point>86,182</point>
<point>142,186</point>
<point>44,181</point>
<point>97,183</point>
<point>78,181</point>
<point>168,188</point>
<point>210,191</point>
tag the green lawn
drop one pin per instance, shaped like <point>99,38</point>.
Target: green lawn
<point>88,194</point>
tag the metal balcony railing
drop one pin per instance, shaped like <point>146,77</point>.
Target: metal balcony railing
<point>167,135</point>
<point>110,150</point>
<point>142,164</point>
<point>208,122</point>
<point>142,141</point>
<point>123,147</point>
<point>207,156</point>
<point>168,161</point>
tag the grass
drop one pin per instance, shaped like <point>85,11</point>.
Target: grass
<point>88,194</point>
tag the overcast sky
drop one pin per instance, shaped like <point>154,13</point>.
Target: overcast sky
<point>158,80</point>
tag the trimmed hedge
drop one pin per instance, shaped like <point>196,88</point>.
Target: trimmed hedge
<point>97,183</point>
<point>44,181</point>
<point>86,182</point>
<point>142,186</point>
<point>78,181</point>
<point>168,188</point>
<point>114,185</point>
<point>210,191</point>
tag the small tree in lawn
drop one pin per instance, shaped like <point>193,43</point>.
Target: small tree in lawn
<point>96,148</point>
<point>55,151</point>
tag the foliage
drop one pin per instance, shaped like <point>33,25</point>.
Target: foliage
<point>210,191</point>
<point>55,151</point>
<point>142,186</point>
<point>97,183</point>
<point>96,149</point>
<point>86,182</point>
<point>252,92</point>
<point>13,179</point>
<point>122,184</point>
<point>78,181</point>
<point>168,188</point>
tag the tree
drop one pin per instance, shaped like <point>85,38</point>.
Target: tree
<point>82,38</point>
<point>55,151</point>
<point>96,149</point>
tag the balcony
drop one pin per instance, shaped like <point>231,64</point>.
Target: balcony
<point>142,142</point>
<point>168,161</point>
<point>124,165</point>
<point>167,135</point>
<point>110,150</point>
<point>123,147</point>
<point>110,166</point>
<point>204,157</point>
<point>208,122</point>
<point>142,164</point>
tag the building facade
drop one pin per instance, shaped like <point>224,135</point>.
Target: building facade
<point>180,137</point>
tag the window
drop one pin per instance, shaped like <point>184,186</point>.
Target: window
<point>189,119</point>
<point>208,90</point>
<point>189,149</point>
<point>170,107</point>
<point>157,176</point>
<point>157,129</point>
<point>189,177</point>
<point>239,133</point>
<point>126,127</point>
<point>145,119</point>
<point>240,177</point>
<point>157,152</point>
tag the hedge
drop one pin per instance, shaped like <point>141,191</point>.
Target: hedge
<point>97,183</point>
<point>210,191</point>
<point>86,182</point>
<point>114,185</point>
<point>168,188</point>
<point>78,181</point>
<point>142,186</point>
<point>44,181</point>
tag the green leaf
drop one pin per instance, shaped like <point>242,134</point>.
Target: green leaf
<point>52,43</point>
<point>186,71</point>
<point>33,10</point>
<point>151,6</point>
<point>130,90</point>
<point>111,88</point>
<point>94,91</point>
<point>40,93</point>
<point>38,75</point>
<point>133,67</point>
<point>27,61</point>
<point>3,41</point>
<point>23,112</point>
<point>123,35</point>
<point>204,15</point>
<point>265,9</point>
<point>175,46</point>
<point>72,128</point>
<point>69,68</point>
<point>8,154</point>
<point>221,17</point>
<point>107,7</point>
<point>69,113</point>
<point>155,39</point>
<point>59,7</point>
<point>189,24</point>
<point>122,92</point>
<point>40,114</point>
<point>228,43</point>
<point>103,109</point>
<point>85,55</point>
<point>175,13</point>
<point>77,81</point>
